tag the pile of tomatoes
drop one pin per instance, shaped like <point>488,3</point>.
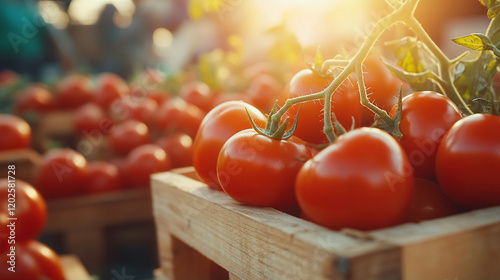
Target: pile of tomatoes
<point>22,256</point>
<point>445,163</point>
<point>124,130</point>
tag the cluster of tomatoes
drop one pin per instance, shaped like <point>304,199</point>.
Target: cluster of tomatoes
<point>366,179</point>
<point>125,131</point>
<point>21,255</point>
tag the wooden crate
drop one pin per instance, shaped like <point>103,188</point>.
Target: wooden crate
<point>91,226</point>
<point>25,160</point>
<point>54,126</point>
<point>195,223</point>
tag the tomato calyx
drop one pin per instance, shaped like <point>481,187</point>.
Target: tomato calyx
<point>392,127</point>
<point>491,106</point>
<point>279,131</point>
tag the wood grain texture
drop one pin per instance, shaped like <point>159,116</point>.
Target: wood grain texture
<point>260,243</point>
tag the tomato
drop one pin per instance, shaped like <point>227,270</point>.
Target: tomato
<point>199,94</point>
<point>142,109</point>
<point>177,115</point>
<point>127,135</point>
<point>8,77</point>
<point>33,260</point>
<point>344,103</point>
<point>61,173</point>
<point>426,116</point>
<point>28,206</point>
<point>48,261</point>
<point>258,170</point>
<point>73,91</point>
<point>263,91</point>
<point>25,265</point>
<point>102,177</point>
<point>15,133</point>
<point>34,98</point>
<point>362,181</point>
<point>430,202</point>
<point>109,88</point>
<point>90,118</point>
<point>382,87</point>
<point>179,148</point>
<point>468,160</point>
<point>142,162</point>
<point>219,124</point>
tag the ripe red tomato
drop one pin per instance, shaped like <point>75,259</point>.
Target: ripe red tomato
<point>73,91</point>
<point>199,94</point>
<point>15,133</point>
<point>345,104</point>
<point>109,88</point>
<point>263,91</point>
<point>102,177</point>
<point>468,160</point>
<point>142,162</point>
<point>61,173</point>
<point>179,148</point>
<point>127,135</point>
<point>218,125</point>
<point>258,170</point>
<point>48,260</point>
<point>362,181</point>
<point>177,115</point>
<point>382,87</point>
<point>91,118</point>
<point>142,109</point>
<point>426,116</point>
<point>33,260</point>
<point>27,205</point>
<point>34,98</point>
<point>430,202</point>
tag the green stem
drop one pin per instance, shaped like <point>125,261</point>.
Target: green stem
<point>445,65</point>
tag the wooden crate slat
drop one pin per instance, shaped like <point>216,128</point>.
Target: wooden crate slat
<point>99,210</point>
<point>261,243</point>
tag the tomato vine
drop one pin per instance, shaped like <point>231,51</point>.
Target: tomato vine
<point>444,76</point>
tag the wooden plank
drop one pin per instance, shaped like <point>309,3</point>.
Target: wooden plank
<point>73,268</point>
<point>99,210</point>
<point>262,243</point>
<point>465,246</point>
<point>26,161</point>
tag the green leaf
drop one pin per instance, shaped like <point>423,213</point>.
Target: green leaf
<point>488,3</point>
<point>474,41</point>
<point>494,11</point>
<point>411,78</point>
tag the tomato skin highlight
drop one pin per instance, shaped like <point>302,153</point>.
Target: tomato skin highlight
<point>362,181</point>
<point>426,116</point>
<point>31,211</point>
<point>61,174</point>
<point>217,127</point>
<point>468,161</point>
<point>258,170</point>
<point>15,133</point>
